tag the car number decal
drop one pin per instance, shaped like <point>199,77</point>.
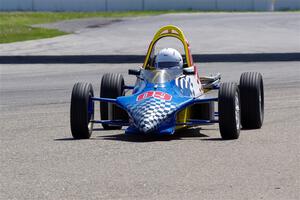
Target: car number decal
<point>154,94</point>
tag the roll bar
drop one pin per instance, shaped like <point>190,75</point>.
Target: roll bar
<point>169,31</point>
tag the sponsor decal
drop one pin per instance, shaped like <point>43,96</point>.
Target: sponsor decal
<point>154,94</point>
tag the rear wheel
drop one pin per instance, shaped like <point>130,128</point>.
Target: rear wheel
<point>229,111</point>
<point>252,100</point>
<point>112,86</point>
<point>82,111</point>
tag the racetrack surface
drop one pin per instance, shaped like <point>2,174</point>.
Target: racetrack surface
<point>208,33</point>
<point>40,160</point>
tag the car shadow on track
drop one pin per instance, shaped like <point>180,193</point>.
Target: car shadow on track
<point>71,138</point>
<point>179,135</point>
<point>190,134</point>
<point>64,139</point>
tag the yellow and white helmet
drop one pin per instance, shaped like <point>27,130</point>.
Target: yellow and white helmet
<point>168,58</point>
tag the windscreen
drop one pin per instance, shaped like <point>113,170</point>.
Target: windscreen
<point>161,75</point>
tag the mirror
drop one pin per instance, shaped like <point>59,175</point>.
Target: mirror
<point>135,72</point>
<point>189,71</point>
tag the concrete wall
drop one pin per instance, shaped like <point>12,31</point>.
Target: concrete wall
<point>286,4</point>
<point>70,5</point>
<point>120,5</point>
<point>15,4</point>
<point>115,5</point>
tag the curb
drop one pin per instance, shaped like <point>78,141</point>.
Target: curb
<point>115,59</point>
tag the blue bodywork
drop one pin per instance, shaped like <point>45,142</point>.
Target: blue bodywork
<point>153,107</point>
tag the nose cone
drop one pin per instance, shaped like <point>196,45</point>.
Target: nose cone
<point>150,113</point>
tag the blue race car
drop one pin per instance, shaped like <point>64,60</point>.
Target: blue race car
<point>169,95</point>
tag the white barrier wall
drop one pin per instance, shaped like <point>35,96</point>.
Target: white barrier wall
<point>235,5</point>
<point>121,5</point>
<point>180,4</point>
<point>286,4</point>
<point>69,5</point>
<point>115,5</point>
<point>15,4</point>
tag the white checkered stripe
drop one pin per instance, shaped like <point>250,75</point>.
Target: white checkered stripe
<point>189,83</point>
<point>148,114</point>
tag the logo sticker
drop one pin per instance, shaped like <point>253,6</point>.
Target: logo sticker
<point>154,94</point>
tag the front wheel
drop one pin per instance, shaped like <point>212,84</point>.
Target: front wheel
<point>112,86</point>
<point>229,111</point>
<point>82,111</point>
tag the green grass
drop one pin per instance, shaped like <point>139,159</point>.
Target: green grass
<point>16,26</point>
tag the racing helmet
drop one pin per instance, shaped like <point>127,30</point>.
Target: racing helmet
<point>168,58</point>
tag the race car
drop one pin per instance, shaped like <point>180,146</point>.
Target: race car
<point>169,95</point>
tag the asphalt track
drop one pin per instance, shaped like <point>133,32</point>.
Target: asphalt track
<point>210,33</point>
<point>39,159</point>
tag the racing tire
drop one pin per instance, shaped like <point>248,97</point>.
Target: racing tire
<point>252,100</point>
<point>229,111</point>
<point>82,111</point>
<point>112,86</point>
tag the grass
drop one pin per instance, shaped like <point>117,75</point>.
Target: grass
<point>16,26</point>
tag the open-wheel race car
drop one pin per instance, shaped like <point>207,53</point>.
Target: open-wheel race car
<point>169,95</point>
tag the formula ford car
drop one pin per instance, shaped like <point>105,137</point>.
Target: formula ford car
<point>165,100</point>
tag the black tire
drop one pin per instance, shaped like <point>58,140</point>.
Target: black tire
<point>252,100</point>
<point>203,111</point>
<point>112,86</point>
<point>82,111</point>
<point>229,111</point>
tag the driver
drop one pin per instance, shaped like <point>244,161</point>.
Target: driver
<point>168,58</point>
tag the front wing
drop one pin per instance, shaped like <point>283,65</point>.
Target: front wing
<point>164,129</point>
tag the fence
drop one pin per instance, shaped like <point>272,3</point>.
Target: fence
<point>122,5</point>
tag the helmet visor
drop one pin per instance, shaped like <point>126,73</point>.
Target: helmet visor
<point>163,65</point>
